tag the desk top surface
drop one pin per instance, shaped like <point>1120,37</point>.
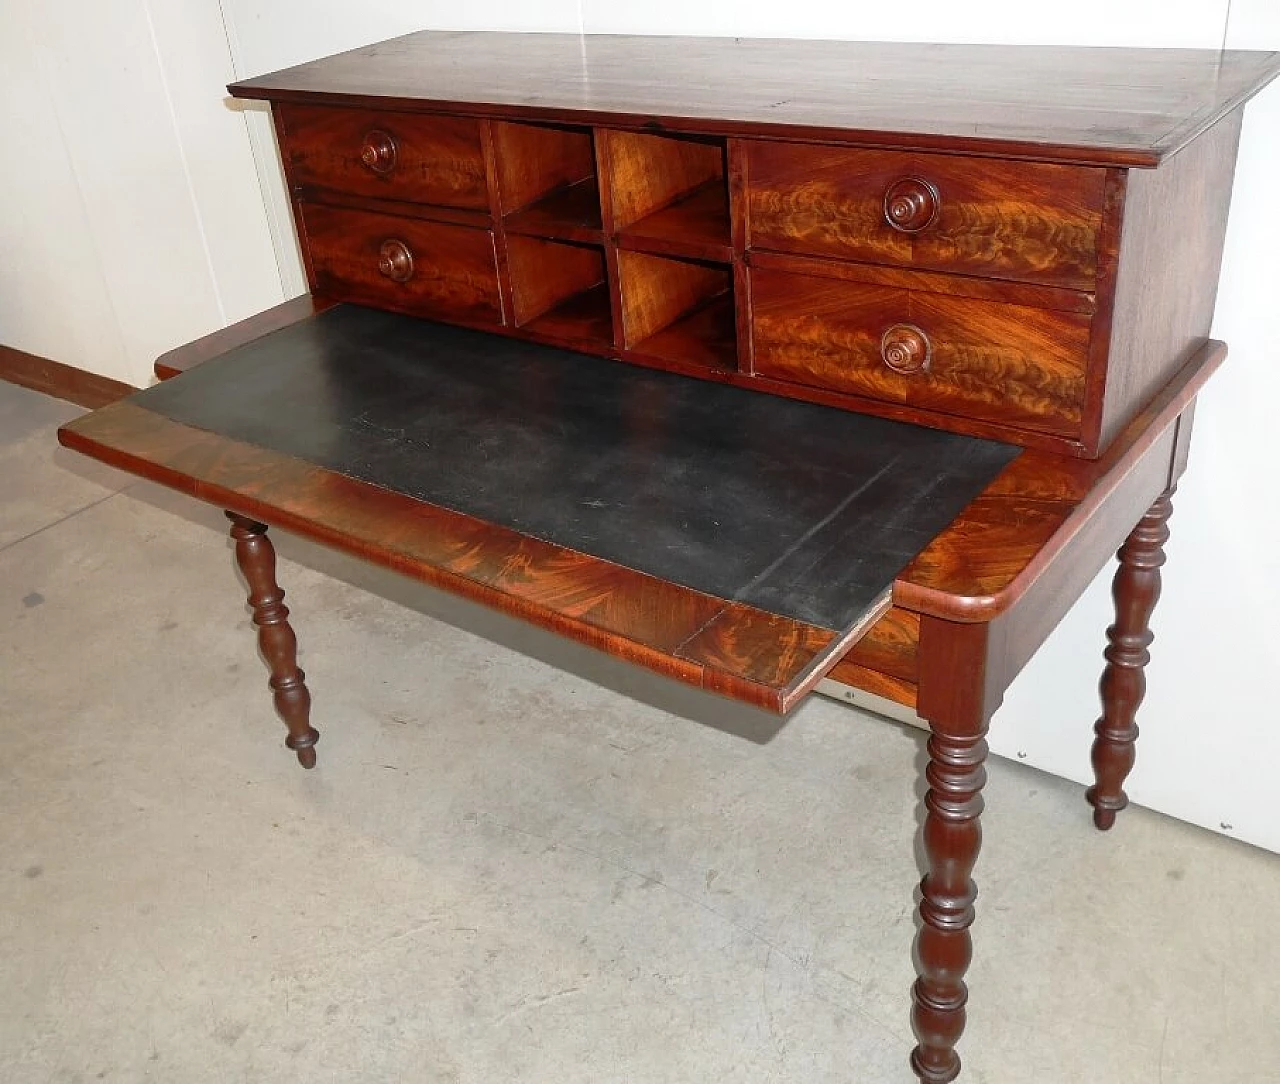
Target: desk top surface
<point>980,566</point>
<point>1104,106</point>
<point>798,510</point>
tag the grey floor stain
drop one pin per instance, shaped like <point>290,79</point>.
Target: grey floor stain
<point>33,600</point>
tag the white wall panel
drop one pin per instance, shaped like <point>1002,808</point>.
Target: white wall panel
<point>113,110</point>
<point>133,220</point>
<point>211,134</point>
<point>54,299</point>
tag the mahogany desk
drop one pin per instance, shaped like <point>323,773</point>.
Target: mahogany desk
<point>974,282</point>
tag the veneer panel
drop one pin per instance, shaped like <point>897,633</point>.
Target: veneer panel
<point>406,265</point>
<point>1012,364</point>
<point>1027,221</point>
<point>384,154</point>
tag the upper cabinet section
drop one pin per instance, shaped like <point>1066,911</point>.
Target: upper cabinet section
<point>1108,107</point>
<point>960,237</point>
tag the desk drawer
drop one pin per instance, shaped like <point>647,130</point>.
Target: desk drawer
<point>1025,221</point>
<point>406,264</point>
<point>1011,364</point>
<point>402,156</point>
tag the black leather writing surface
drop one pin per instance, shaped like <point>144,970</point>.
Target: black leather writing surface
<point>801,510</point>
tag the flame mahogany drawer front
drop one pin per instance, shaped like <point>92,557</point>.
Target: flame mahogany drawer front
<point>1006,363</point>
<point>1025,221</point>
<point>414,157</point>
<point>405,264</point>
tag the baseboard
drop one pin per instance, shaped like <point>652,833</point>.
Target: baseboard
<point>61,381</point>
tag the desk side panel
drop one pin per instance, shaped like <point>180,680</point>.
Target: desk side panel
<point>1169,262</point>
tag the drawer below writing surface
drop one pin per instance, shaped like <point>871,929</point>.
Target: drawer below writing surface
<point>1014,365</point>
<point>406,265</point>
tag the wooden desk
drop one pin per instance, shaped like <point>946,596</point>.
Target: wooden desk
<point>1011,251</point>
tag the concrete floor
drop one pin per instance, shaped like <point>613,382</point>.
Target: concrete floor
<point>519,861</point>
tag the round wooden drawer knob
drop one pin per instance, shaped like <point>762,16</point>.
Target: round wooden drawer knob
<point>910,204</point>
<point>395,261</point>
<point>379,152</point>
<point>905,349</point>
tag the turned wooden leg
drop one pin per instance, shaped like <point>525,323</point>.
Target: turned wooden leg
<point>944,948</point>
<point>256,557</point>
<point>1136,589</point>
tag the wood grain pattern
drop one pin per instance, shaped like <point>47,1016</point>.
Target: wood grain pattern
<point>991,263</point>
<point>633,616</point>
<point>571,213</point>
<point>1017,220</point>
<point>1018,366</point>
<point>657,291</point>
<point>454,275</point>
<point>771,649</point>
<point>933,282</point>
<point>890,646</point>
<point>1042,506</point>
<point>582,321</point>
<point>645,173</point>
<point>61,381</point>
<point>1092,106</point>
<point>696,226</point>
<point>437,159</point>
<point>865,680</point>
<point>431,212</point>
<point>886,661</point>
<point>532,160</point>
<point>1008,544</point>
<point>546,273</point>
<point>699,342</point>
<point>707,344</point>
<point>1052,586</point>
<point>1170,257</point>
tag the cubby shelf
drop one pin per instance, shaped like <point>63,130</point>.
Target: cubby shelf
<point>580,204</point>
<point>560,290</point>
<point>704,336</point>
<point>677,311</point>
<point>571,213</point>
<point>547,181</point>
<point>583,317</point>
<point>696,225</point>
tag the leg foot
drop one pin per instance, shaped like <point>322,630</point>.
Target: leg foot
<point>944,948</point>
<point>256,557</point>
<point>1136,589</point>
